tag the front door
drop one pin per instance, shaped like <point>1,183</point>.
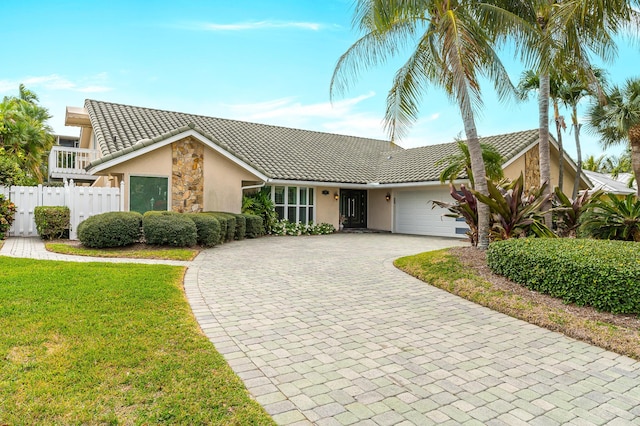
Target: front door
<point>353,208</point>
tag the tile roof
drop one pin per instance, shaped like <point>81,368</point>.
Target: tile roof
<point>284,153</point>
<point>278,152</point>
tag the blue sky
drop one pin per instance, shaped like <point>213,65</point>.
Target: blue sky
<point>267,61</point>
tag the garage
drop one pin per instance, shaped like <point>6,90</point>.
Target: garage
<point>413,214</point>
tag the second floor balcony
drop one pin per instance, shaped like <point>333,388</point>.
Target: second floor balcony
<point>70,163</point>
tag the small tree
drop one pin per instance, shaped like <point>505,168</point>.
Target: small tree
<point>460,163</point>
<point>260,204</point>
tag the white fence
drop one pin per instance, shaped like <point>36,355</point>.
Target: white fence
<point>83,202</point>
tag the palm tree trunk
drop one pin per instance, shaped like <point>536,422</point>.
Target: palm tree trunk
<point>557,118</point>
<point>634,140</point>
<point>576,129</point>
<point>543,145</point>
<point>480,177</point>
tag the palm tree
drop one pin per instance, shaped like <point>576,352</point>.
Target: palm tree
<point>24,134</point>
<point>567,30</point>
<point>571,92</point>
<point>452,50</point>
<point>530,81</point>
<point>618,120</point>
<point>457,164</point>
<point>594,164</point>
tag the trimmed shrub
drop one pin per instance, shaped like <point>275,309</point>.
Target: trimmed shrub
<point>241,226</point>
<point>284,227</point>
<point>208,228</point>
<point>230,219</point>
<point>602,274</point>
<point>52,221</point>
<point>7,215</point>
<point>255,225</point>
<point>169,228</point>
<point>113,229</point>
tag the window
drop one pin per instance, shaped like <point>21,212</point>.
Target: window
<point>148,193</point>
<point>294,203</point>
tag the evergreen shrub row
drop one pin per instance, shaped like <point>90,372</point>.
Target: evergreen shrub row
<point>117,229</point>
<point>601,274</point>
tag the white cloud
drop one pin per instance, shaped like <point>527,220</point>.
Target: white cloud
<point>90,84</point>
<point>256,25</point>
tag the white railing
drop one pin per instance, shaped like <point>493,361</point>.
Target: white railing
<point>69,162</point>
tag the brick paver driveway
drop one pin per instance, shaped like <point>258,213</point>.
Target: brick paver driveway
<point>324,330</point>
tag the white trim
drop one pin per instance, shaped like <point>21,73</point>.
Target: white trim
<point>373,185</point>
<point>175,138</point>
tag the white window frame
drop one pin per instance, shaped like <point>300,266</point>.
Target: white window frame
<point>286,205</point>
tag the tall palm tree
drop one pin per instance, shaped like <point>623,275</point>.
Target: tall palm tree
<point>567,30</point>
<point>530,81</point>
<point>594,164</point>
<point>451,49</point>
<point>571,92</point>
<point>459,163</point>
<point>618,120</point>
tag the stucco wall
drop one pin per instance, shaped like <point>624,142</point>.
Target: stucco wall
<point>379,210</point>
<point>222,178</point>
<point>223,183</point>
<point>155,163</point>
<point>514,169</point>
<point>327,208</point>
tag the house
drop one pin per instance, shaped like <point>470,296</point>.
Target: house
<point>621,185</point>
<point>189,163</point>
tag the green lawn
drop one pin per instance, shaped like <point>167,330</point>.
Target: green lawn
<point>94,343</point>
<point>138,251</point>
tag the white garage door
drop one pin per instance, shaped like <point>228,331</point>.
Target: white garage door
<point>414,215</point>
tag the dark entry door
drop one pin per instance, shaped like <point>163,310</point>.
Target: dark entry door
<point>353,208</point>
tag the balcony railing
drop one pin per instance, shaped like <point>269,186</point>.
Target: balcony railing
<point>67,162</point>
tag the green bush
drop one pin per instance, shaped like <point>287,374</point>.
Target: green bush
<point>284,227</point>
<point>7,215</point>
<point>602,274</point>
<point>169,228</point>
<point>241,226</point>
<point>255,225</point>
<point>208,228</point>
<point>113,229</point>
<point>612,218</point>
<point>230,228</point>
<point>52,221</point>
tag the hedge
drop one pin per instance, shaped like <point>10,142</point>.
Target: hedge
<point>227,225</point>
<point>169,228</point>
<point>113,229</point>
<point>52,221</point>
<point>602,274</point>
<point>241,226</point>
<point>207,227</point>
<point>255,225</point>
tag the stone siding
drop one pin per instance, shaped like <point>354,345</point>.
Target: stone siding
<point>187,189</point>
<point>532,168</point>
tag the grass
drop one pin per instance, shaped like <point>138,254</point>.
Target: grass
<point>138,251</point>
<point>95,343</point>
<point>442,269</point>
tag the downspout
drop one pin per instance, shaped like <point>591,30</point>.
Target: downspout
<point>254,186</point>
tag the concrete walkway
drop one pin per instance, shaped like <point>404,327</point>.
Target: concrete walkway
<point>325,331</point>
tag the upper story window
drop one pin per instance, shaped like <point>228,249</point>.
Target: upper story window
<point>294,203</point>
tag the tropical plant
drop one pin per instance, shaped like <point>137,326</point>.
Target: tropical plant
<point>566,32</point>
<point>24,134</point>
<point>613,218</point>
<point>452,49</point>
<point>7,215</point>
<point>465,207</point>
<point>530,81</point>
<point>260,204</point>
<point>515,213</point>
<point>618,120</point>
<point>572,91</point>
<point>10,171</point>
<point>568,212</point>
<point>457,164</point>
